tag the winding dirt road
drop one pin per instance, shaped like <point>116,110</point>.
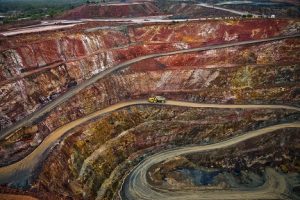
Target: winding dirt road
<point>137,187</point>
<point>22,170</point>
<point>227,9</point>
<point>47,108</point>
<point>16,197</point>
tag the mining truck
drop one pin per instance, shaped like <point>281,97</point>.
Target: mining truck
<point>157,99</point>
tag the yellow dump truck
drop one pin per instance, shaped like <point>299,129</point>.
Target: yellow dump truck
<point>157,99</point>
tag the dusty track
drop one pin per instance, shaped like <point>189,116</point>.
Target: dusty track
<point>16,197</point>
<point>47,108</point>
<point>226,9</point>
<point>23,169</point>
<point>136,185</point>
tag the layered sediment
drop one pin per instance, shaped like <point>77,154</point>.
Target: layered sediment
<point>89,161</point>
<point>57,62</point>
<point>97,155</point>
<point>113,10</point>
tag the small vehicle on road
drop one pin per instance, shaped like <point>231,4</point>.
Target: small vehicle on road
<point>157,99</point>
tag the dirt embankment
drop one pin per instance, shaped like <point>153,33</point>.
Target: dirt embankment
<point>249,74</point>
<point>94,157</point>
<point>112,10</point>
<point>57,61</point>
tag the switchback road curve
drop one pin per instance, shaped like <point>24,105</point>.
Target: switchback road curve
<point>22,170</point>
<point>136,186</point>
<point>47,108</point>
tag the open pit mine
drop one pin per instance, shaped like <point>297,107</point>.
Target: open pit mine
<point>131,101</point>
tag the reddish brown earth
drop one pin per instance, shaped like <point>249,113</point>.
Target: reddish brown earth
<point>212,76</point>
<point>15,194</point>
<point>85,54</point>
<point>241,158</point>
<point>37,68</point>
<point>16,197</point>
<point>112,10</point>
<point>132,132</point>
<point>241,77</point>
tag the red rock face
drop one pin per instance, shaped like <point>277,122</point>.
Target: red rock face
<point>131,132</point>
<point>264,54</point>
<point>241,83</point>
<point>265,73</point>
<point>38,55</point>
<point>81,55</point>
<point>112,11</point>
<point>211,31</point>
<point>212,76</point>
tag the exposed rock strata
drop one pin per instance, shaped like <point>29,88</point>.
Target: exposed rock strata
<point>112,11</point>
<point>240,85</point>
<point>241,166</point>
<point>91,161</point>
<point>91,154</point>
<point>79,56</point>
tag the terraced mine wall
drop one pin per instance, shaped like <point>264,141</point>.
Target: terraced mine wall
<point>55,62</point>
<point>263,73</point>
<point>96,155</point>
<point>238,167</point>
<point>113,10</point>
